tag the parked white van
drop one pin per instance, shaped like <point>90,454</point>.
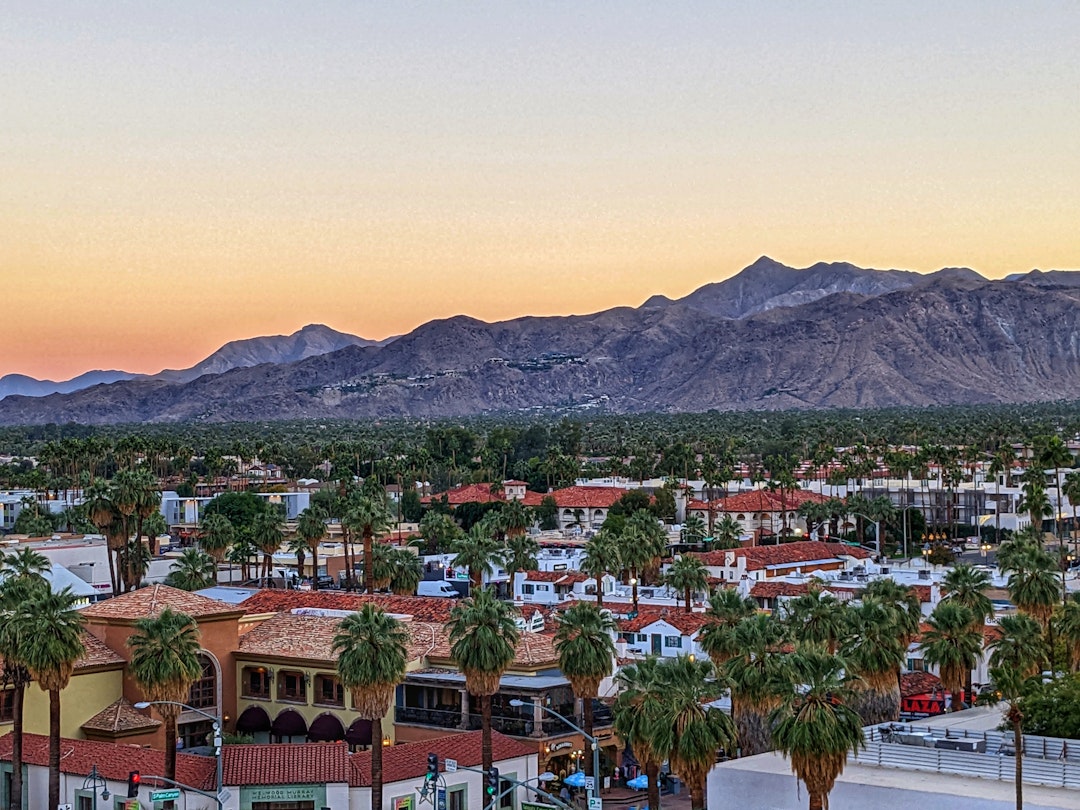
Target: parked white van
<point>437,588</point>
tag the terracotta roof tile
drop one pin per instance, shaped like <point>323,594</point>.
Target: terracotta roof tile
<point>771,590</point>
<point>587,497</point>
<point>120,716</point>
<point>97,654</point>
<point>114,761</point>
<point>299,763</point>
<point>804,551</point>
<point>409,761</point>
<point>759,500</point>
<point>151,601</point>
<point>275,600</point>
<point>533,650</point>
<point>686,623</point>
<point>311,638</point>
<point>558,577</point>
<point>918,683</point>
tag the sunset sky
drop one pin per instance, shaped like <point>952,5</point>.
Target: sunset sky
<point>174,175</point>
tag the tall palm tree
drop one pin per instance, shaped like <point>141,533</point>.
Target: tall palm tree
<point>640,719</point>
<point>192,570</point>
<point>1071,490</point>
<point>902,601</point>
<point>136,496</point>
<point>601,557</point>
<point>813,726</point>
<point>267,532</point>
<point>372,649</point>
<point>483,642</point>
<point>694,529</point>
<point>1069,627</point>
<point>952,644</point>
<point>51,643</point>
<point>408,572</point>
<point>698,731</point>
<point>1018,655</point>
<point>514,519</point>
<point>635,554</point>
<point>1054,452</point>
<point>689,575</point>
<point>216,536</point>
<point>966,586</point>
<point>369,516</point>
<point>477,551</point>
<point>817,618</point>
<point>311,527</point>
<point>727,607</point>
<point>21,582</point>
<point>519,554</point>
<point>1033,584</point>
<point>165,663</point>
<point>583,641</point>
<point>875,655</point>
<point>1036,502</point>
<point>755,670</point>
<point>726,533</point>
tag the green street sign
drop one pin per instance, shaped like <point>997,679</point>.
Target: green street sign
<point>164,795</point>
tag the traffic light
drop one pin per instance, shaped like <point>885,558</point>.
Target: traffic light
<point>133,784</point>
<point>432,767</point>
<point>492,787</point>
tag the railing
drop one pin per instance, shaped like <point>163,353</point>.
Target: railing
<point>1048,760</point>
<point>417,715</point>
<point>515,725</point>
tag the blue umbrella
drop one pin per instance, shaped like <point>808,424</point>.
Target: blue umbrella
<point>638,782</point>
<point>575,780</point>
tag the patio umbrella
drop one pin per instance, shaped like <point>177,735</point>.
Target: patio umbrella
<point>575,780</point>
<point>638,782</point>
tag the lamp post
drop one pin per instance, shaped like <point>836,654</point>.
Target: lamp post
<point>877,530</point>
<point>146,704</point>
<point>984,547</point>
<point>589,738</point>
<point>95,780</point>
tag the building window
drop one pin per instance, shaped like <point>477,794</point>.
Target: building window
<point>292,686</point>
<point>543,587</point>
<point>329,691</point>
<point>256,682</point>
<point>673,641</point>
<point>203,692</point>
<point>507,800</point>
<point>7,706</point>
<point>195,735</point>
<point>642,638</point>
<point>527,588</point>
<point>456,799</point>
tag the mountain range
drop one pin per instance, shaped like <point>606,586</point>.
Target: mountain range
<point>770,337</point>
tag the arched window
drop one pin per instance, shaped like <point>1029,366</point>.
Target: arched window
<point>203,694</point>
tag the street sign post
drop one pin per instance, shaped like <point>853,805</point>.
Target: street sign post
<point>164,795</point>
<point>596,803</point>
<point>590,783</point>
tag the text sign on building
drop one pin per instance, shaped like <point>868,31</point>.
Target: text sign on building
<point>292,793</point>
<point>451,765</point>
<point>164,795</point>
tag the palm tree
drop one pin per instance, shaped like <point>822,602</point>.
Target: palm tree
<point>726,533</point>
<point>1033,584</point>
<point>726,609</point>
<point>817,618</point>
<point>1036,502</point>
<point>372,649</point>
<point>192,570</point>
<point>755,670</point>
<point>165,663</point>
<point>966,586</point>
<point>1071,490</point>
<point>640,719</point>
<point>267,532</point>
<point>51,643</point>
<point>477,551</point>
<point>136,496</point>
<point>875,656</point>
<point>21,582</point>
<point>694,529</point>
<point>687,574</point>
<point>1018,655</point>
<point>369,516</point>
<point>1069,627</point>
<point>408,572</point>
<point>216,537</point>
<point>583,640</point>
<point>519,554</point>
<point>1054,452</point>
<point>601,557</point>
<point>698,731</point>
<point>483,642</point>
<point>311,527</point>
<point>514,519</point>
<point>902,602</point>
<point>813,726</point>
<point>952,644</point>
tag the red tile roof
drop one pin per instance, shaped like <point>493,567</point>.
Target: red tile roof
<point>311,638</point>
<point>467,493</point>
<point>299,763</point>
<point>587,497</point>
<point>918,683</point>
<point>771,590</point>
<point>804,551</point>
<point>151,601</point>
<point>120,716</point>
<point>759,500</point>
<point>558,577</point>
<point>114,761</point>
<point>686,623</point>
<point>97,654</point>
<point>409,761</point>
<point>275,600</point>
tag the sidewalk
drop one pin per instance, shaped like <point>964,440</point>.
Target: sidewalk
<point>624,798</point>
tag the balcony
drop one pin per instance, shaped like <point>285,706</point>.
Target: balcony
<point>440,718</point>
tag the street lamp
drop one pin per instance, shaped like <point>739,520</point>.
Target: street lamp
<point>984,547</point>
<point>95,780</point>
<point>588,737</point>
<point>877,530</point>
<point>146,704</point>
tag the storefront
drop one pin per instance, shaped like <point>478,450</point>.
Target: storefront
<point>283,797</point>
